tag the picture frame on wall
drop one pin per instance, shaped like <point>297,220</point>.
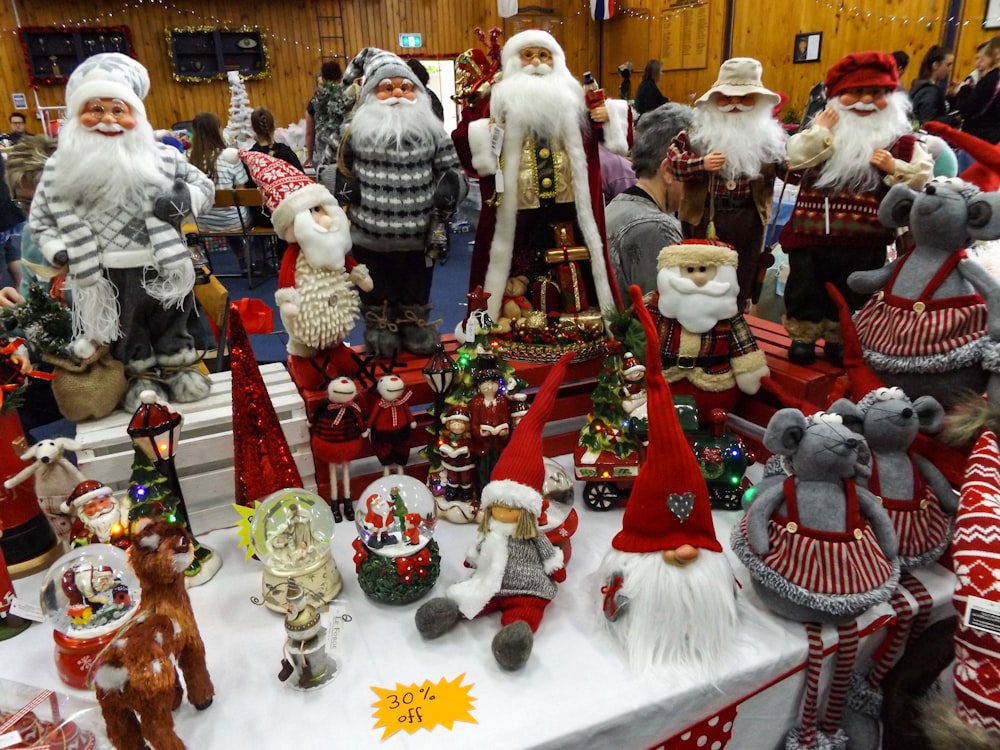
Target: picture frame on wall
<point>808,45</point>
<point>992,18</point>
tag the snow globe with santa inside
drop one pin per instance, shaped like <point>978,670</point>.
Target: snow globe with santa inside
<point>291,533</point>
<point>395,555</point>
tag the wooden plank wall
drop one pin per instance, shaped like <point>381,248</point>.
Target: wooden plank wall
<point>299,35</point>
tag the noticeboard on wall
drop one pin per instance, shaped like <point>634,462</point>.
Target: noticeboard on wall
<point>684,37</point>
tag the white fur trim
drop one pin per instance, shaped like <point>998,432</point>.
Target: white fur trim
<point>472,594</point>
<point>554,563</point>
<point>512,494</point>
<point>530,38</point>
<point>104,88</point>
<point>617,127</point>
<point>502,247</point>
<point>484,161</point>
<point>301,200</point>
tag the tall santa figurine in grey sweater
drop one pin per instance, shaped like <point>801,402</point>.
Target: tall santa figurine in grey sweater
<point>399,174</point>
<point>108,210</point>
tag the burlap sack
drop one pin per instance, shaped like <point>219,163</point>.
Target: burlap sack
<point>90,389</point>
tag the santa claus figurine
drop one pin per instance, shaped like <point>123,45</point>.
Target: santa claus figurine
<point>706,347</point>
<point>316,298</point>
<point>727,161</point>
<point>400,177</point>
<point>337,429</point>
<point>543,134</point>
<point>516,566</point>
<point>100,517</point>
<point>391,424</point>
<point>855,150</point>
<point>666,560</point>
<point>108,210</point>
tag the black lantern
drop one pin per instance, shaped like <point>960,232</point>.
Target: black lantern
<point>438,373</point>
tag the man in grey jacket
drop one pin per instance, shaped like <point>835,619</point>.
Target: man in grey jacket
<point>640,220</point>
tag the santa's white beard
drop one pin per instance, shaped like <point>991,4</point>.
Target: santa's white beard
<point>102,524</point>
<point>681,616</point>
<point>390,123</point>
<point>548,104</point>
<point>856,138</point>
<point>108,173</point>
<point>698,308</point>
<point>749,139</point>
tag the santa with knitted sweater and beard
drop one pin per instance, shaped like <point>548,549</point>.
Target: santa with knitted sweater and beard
<point>316,298</point>
<point>856,149</point>
<point>538,163</point>
<point>667,590</point>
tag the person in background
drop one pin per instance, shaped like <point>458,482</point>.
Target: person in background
<point>927,94</point>
<point>326,112</point>
<point>262,122</point>
<point>617,175</point>
<point>12,220</point>
<point>18,128</point>
<point>979,105</point>
<point>423,76</point>
<point>641,221</point>
<point>902,63</point>
<point>206,155</point>
<point>648,96</point>
<point>25,163</point>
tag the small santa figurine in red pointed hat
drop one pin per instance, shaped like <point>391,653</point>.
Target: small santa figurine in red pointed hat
<point>316,297</point>
<point>667,589</point>
<point>516,566</point>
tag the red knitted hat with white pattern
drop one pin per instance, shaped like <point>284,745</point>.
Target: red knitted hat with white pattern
<point>669,504</point>
<point>286,190</point>
<point>518,476</point>
<point>976,560</point>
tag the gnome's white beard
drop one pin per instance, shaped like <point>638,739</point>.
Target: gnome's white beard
<point>856,138</point>
<point>108,173</point>
<point>386,124</point>
<point>698,308</point>
<point>749,138</point>
<point>546,102</point>
<point>323,248</point>
<point>675,616</point>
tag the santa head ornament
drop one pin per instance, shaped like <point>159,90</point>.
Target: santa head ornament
<point>517,478</point>
<point>286,190</point>
<point>510,56</point>
<point>861,70</point>
<point>669,504</point>
<point>740,76</point>
<point>381,65</point>
<point>109,75</point>
<point>697,253</point>
<point>83,494</point>
<point>976,556</point>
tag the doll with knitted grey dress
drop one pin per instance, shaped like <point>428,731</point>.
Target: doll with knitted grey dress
<point>108,209</point>
<point>399,175</point>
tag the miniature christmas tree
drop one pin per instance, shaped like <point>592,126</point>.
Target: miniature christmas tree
<point>44,322</point>
<point>607,426</point>
<point>238,131</point>
<point>149,492</point>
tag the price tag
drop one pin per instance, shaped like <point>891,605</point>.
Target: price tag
<point>408,708</point>
<point>982,614</point>
<point>10,739</point>
<point>28,610</point>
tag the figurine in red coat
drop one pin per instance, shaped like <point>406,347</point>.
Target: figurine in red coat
<point>337,429</point>
<point>391,424</point>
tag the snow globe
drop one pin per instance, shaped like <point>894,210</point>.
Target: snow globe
<point>88,594</point>
<point>291,533</point>
<point>395,555</point>
<point>559,519</point>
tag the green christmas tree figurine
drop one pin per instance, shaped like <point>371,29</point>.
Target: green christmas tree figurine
<point>149,492</point>
<point>607,426</point>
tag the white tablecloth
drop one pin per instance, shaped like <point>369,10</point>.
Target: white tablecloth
<point>576,690</point>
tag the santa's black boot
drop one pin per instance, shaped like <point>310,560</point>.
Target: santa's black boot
<point>348,508</point>
<point>381,331</point>
<point>335,507</point>
<point>419,335</point>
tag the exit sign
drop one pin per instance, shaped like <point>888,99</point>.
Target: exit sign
<point>410,41</point>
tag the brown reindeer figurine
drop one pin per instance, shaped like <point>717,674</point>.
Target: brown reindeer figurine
<point>136,679</point>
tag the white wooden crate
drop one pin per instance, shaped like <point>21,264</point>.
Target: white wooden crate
<point>204,456</point>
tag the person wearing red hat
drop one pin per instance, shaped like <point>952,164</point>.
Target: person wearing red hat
<point>706,347</point>
<point>100,518</point>
<point>856,148</point>
<point>456,455</point>
<point>666,564</point>
<point>315,267</point>
<point>516,566</point>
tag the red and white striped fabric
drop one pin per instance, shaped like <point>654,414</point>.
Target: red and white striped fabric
<point>890,325</point>
<point>920,528</point>
<point>976,559</point>
<point>602,10</point>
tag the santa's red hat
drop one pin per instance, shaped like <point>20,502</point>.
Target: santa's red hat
<point>457,412</point>
<point>985,170</point>
<point>861,70</point>
<point>286,190</point>
<point>631,365</point>
<point>518,476</point>
<point>976,560</point>
<point>669,504</point>
<point>83,493</point>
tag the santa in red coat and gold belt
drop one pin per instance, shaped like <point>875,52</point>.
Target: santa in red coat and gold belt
<point>706,346</point>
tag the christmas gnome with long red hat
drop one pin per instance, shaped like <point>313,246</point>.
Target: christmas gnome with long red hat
<point>516,566</point>
<point>316,298</point>
<point>668,592</point>
<point>918,499</point>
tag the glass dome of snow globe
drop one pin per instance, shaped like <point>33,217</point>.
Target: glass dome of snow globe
<point>559,520</point>
<point>291,533</point>
<point>396,557</point>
